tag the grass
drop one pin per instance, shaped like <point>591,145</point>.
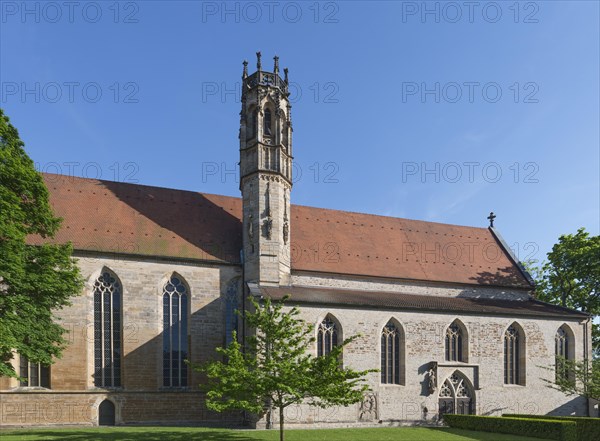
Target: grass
<point>203,434</point>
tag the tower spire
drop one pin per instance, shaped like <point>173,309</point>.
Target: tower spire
<point>245,72</point>
<point>266,175</point>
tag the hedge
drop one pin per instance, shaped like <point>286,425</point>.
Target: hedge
<point>588,429</point>
<point>556,430</point>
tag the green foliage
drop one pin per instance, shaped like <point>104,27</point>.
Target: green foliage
<point>571,276</point>
<point>275,368</point>
<point>588,429</point>
<point>557,430</point>
<point>35,281</point>
<point>583,378</point>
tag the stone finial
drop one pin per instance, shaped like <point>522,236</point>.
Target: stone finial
<point>285,72</point>
<point>245,73</point>
<point>491,218</point>
<point>276,64</point>
<point>258,62</point>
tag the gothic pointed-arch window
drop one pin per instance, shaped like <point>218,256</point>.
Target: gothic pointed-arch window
<point>107,330</point>
<point>327,336</point>
<point>391,354</point>
<point>285,134</point>
<point>514,356</point>
<point>456,396</point>
<point>455,343</point>
<point>252,123</point>
<point>33,374</point>
<point>268,123</point>
<point>563,352</point>
<point>175,333</point>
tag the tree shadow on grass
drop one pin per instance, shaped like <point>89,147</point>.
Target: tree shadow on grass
<point>110,434</point>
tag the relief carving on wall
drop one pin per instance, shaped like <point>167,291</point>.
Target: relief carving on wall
<point>368,409</point>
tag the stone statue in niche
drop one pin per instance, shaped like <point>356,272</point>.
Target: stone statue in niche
<point>251,228</point>
<point>268,227</point>
<point>431,380</point>
<point>268,222</point>
<point>286,232</point>
<point>286,225</point>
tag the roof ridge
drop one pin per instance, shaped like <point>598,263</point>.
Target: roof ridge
<point>390,217</point>
<point>135,184</point>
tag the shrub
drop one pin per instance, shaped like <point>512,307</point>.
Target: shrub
<point>557,430</point>
<point>588,429</point>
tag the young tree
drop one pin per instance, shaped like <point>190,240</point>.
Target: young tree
<point>571,276</point>
<point>35,281</point>
<point>578,377</point>
<point>275,369</point>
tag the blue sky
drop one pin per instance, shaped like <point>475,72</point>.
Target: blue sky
<point>429,111</point>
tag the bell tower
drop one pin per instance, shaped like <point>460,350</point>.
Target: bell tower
<point>266,174</point>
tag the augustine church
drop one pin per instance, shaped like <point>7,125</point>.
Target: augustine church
<point>444,312</point>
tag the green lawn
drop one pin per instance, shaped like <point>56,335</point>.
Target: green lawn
<point>202,434</point>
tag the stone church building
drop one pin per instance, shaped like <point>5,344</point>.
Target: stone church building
<point>445,312</point>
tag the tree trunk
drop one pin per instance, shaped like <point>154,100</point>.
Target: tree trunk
<point>281,424</point>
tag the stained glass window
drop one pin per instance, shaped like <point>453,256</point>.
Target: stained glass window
<point>454,343</point>
<point>327,336</point>
<point>107,330</point>
<point>175,333</point>
<point>512,356</point>
<point>34,374</point>
<point>390,354</point>
<point>562,352</point>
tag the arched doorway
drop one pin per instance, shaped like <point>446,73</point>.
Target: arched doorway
<point>106,413</point>
<point>456,396</point>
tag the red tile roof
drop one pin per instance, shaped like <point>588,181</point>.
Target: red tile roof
<point>402,301</point>
<point>108,216</point>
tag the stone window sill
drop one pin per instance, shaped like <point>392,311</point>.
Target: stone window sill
<point>106,389</point>
<point>30,389</point>
<point>174,389</point>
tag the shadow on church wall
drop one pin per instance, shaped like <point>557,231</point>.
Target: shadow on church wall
<point>571,408</point>
<point>143,397</point>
